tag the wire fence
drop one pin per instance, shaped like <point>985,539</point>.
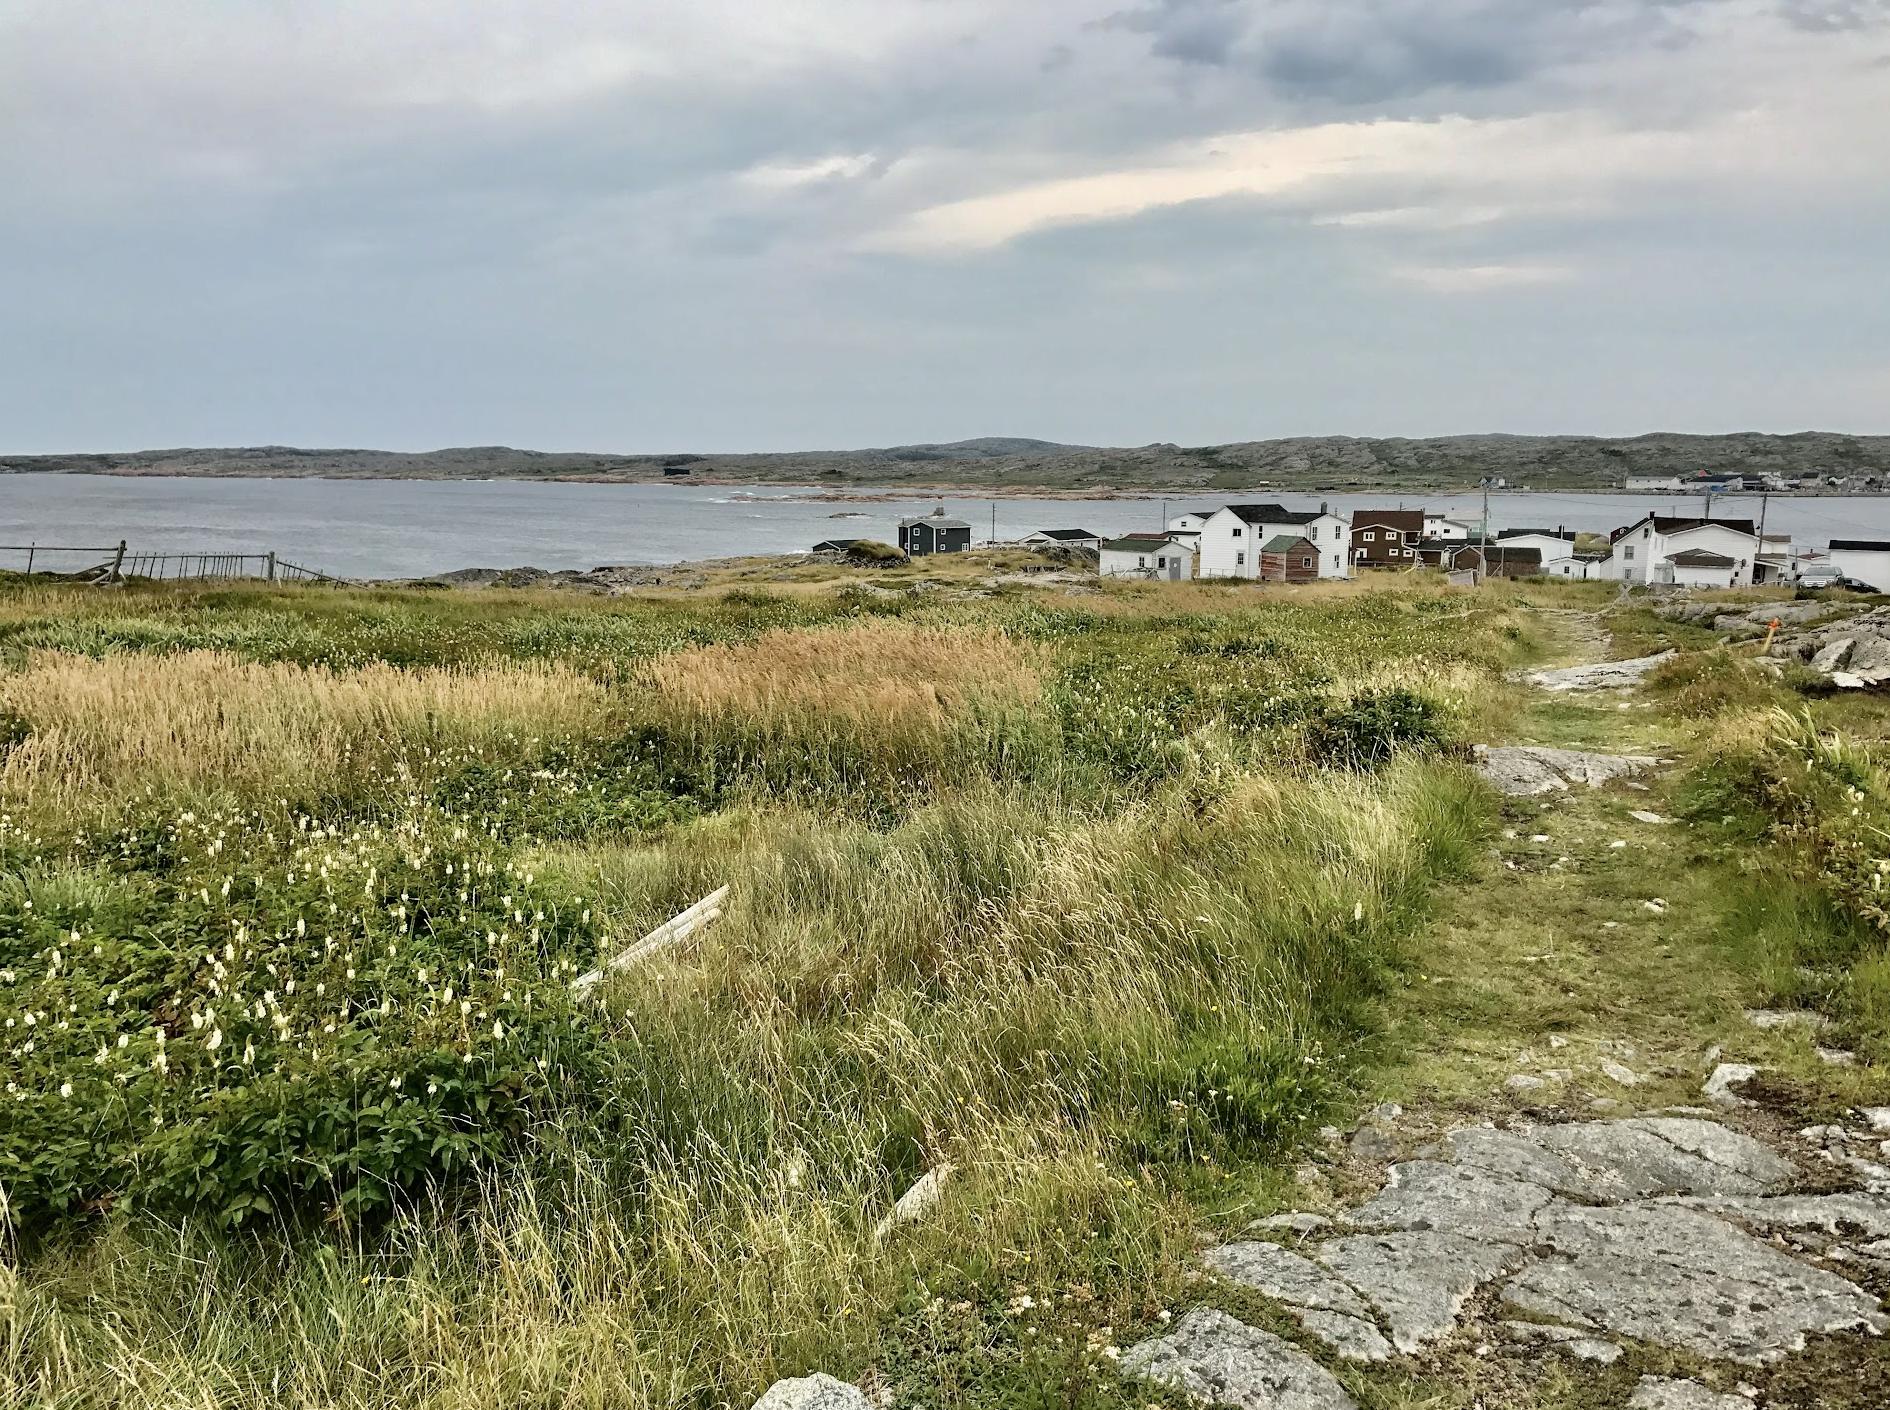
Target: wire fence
<point>118,563</point>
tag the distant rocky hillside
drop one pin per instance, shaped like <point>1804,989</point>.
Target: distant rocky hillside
<point>1001,462</point>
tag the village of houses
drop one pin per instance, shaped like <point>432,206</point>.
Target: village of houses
<point>1271,543</point>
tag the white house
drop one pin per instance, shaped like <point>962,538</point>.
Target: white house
<point>1700,567</point>
<point>1553,543</point>
<point>1232,537</point>
<point>1866,560</point>
<point>1640,553</point>
<point>1653,484</point>
<point>1190,521</point>
<point>1577,567</point>
<point>1063,538</point>
<point>1436,526</point>
<point>1157,557</point>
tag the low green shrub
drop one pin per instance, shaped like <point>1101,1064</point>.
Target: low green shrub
<point>288,1017</point>
<point>1368,730</point>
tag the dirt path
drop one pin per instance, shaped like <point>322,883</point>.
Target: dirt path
<point>1540,1111</point>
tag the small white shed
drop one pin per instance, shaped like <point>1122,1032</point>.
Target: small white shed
<point>1150,556</point>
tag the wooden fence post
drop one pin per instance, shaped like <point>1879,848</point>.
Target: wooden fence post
<point>272,565</point>
<point>118,561</point>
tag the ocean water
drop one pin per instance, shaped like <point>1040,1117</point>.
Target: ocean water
<point>409,528</point>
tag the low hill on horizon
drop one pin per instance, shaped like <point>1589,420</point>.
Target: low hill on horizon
<point>1008,462</point>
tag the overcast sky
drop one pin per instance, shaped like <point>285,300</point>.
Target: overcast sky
<point>778,224</point>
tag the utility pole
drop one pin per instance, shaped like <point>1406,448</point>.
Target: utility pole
<point>994,521</point>
<point>1483,550</point>
<point>1764,501</point>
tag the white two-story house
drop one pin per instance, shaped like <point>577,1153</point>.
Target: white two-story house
<point>1232,537</point>
<point>1659,549</point>
<point>1553,543</point>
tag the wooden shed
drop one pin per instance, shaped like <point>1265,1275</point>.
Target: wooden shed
<point>1288,558</point>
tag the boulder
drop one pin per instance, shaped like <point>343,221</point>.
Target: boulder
<point>1718,1088</point>
<point>815,1392</point>
<point>1870,659</point>
<point>1833,656</point>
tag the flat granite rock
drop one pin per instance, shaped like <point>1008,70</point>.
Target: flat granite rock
<point>1419,1279</point>
<point>1320,1303</point>
<point>1462,1199</point>
<point>1602,675</point>
<point>1354,1338</point>
<point>1285,1276</point>
<point>1216,1360</point>
<point>1679,1278</point>
<point>1525,770</point>
<point>1634,1158</point>
<point>1671,1393</point>
<point>815,1392</point>
<point>1856,1214</point>
<point>1665,1155</point>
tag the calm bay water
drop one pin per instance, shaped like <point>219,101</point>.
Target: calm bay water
<point>404,528</point>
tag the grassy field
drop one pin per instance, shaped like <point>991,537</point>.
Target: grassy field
<point>1105,903</point>
<point>1087,898</point>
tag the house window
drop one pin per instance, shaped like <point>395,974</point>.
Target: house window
<point>1369,536</point>
<point>1140,561</point>
<point>1237,531</point>
<point>1239,559</point>
<point>1627,553</point>
<point>1308,563</point>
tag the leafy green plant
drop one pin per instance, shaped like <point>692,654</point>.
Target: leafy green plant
<point>1367,730</point>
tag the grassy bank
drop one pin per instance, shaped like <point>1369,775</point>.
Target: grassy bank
<point>1089,900</point>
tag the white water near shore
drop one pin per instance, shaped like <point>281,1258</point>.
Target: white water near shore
<point>406,528</point>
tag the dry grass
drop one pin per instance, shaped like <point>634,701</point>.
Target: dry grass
<point>205,719</point>
<point>887,675</point>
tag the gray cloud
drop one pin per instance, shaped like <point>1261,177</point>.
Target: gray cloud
<point>865,221</point>
<point>1190,31</point>
<point>1837,16</point>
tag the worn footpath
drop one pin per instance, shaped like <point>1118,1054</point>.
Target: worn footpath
<point>1591,1207</point>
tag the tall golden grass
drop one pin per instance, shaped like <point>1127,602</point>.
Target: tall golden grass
<point>888,675</point>
<point>205,719</point>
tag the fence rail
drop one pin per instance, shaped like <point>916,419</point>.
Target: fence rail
<point>119,562</point>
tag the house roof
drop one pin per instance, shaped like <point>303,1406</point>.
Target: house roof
<point>1862,545</point>
<point>1142,543</point>
<point>1259,513</point>
<point>1568,534</point>
<point>935,521</point>
<point>834,545</point>
<point>1492,552</point>
<point>1284,543</point>
<point>1674,524</point>
<point>1700,558</point>
<point>1410,519</point>
<point>1065,534</point>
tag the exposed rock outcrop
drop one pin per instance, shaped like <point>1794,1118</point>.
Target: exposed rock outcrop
<point>1524,770</point>
<point>1598,675</point>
